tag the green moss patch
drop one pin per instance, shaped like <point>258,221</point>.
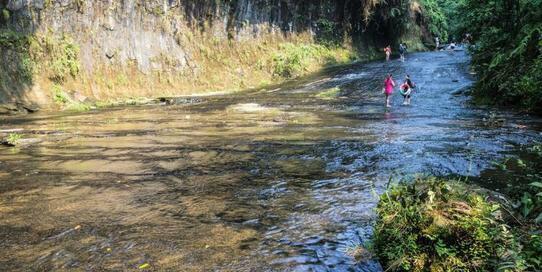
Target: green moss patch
<point>329,93</point>
<point>293,60</point>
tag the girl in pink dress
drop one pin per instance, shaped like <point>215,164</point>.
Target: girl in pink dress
<point>388,88</point>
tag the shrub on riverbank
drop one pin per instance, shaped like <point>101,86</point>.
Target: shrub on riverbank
<point>437,225</point>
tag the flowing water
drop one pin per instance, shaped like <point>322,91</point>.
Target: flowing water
<point>269,180</point>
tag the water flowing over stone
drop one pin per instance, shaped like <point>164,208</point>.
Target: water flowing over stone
<point>257,181</point>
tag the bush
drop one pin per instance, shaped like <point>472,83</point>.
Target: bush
<point>433,225</point>
<point>13,138</point>
<point>61,98</point>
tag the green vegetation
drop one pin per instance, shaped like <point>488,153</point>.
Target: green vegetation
<point>452,13</point>
<point>62,99</point>
<point>508,51</point>
<point>15,45</point>
<point>507,44</point>
<point>440,225</point>
<point>531,202</point>
<point>526,188</point>
<point>59,55</point>
<point>329,34</point>
<point>59,96</point>
<point>57,58</point>
<point>292,60</point>
<point>13,138</point>
<point>445,225</point>
<point>5,15</point>
<point>67,63</point>
<point>435,18</point>
<point>329,93</point>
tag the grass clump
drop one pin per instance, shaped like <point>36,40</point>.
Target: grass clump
<point>13,138</point>
<point>434,225</point>
<point>61,98</point>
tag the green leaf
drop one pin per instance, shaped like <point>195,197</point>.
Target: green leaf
<point>144,266</point>
<point>536,184</point>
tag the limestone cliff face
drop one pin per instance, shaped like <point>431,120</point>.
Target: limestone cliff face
<point>119,31</point>
<point>171,36</point>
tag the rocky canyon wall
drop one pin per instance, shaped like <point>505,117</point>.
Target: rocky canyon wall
<point>106,49</point>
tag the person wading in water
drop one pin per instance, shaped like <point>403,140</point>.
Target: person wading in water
<point>388,89</point>
<point>402,51</point>
<point>387,51</point>
<point>406,90</point>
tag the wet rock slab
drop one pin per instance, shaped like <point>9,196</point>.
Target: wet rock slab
<point>17,108</point>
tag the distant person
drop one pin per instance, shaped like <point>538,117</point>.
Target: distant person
<point>402,51</point>
<point>437,43</point>
<point>387,51</point>
<point>388,89</point>
<point>468,38</point>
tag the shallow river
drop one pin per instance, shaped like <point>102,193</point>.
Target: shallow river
<point>268,180</point>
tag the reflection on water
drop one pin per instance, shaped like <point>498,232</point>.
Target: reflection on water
<point>263,181</point>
